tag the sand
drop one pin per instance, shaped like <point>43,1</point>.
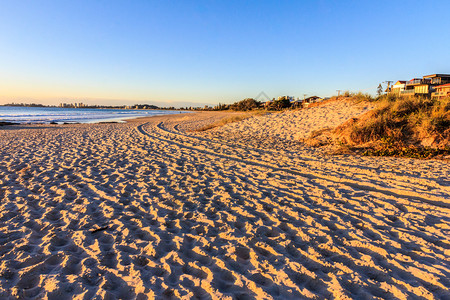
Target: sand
<point>152,209</point>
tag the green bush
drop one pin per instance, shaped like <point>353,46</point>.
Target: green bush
<point>280,103</point>
<point>245,105</point>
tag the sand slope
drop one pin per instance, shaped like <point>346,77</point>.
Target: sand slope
<point>147,209</point>
<point>283,131</point>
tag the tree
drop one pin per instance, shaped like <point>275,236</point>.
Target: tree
<point>280,103</point>
<point>221,106</point>
<point>246,104</point>
<point>379,90</point>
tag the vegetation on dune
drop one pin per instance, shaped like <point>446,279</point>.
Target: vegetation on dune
<point>413,127</point>
<point>357,97</point>
<point>245,105</point>
<point>252,104</point>
<point>398,126</point>
<point>279,104</point>
<point>231,119</point>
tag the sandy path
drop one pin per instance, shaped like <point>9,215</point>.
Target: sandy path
<point>204,215</point>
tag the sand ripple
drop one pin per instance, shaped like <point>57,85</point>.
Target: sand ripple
<point>146,209</point>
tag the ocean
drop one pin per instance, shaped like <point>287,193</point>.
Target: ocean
<point>43,115</point>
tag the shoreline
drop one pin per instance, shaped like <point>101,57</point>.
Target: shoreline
<point>48,117</point>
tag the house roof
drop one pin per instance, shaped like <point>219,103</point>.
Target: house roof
<point>399,83</point>
<point>443,85</point>
<point>436,75</point>
<point>313,97</point>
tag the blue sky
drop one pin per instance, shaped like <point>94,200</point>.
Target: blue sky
<point>185,52</point>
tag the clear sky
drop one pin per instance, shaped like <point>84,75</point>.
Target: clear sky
<point>184,52</point>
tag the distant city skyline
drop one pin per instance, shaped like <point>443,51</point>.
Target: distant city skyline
<point>182,53</point>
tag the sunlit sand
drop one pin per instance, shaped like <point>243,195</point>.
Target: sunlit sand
<point>152,208</point>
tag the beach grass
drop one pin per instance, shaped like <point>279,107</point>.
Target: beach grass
<point>413,127</point>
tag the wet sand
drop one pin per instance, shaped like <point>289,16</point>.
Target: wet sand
<point>151,208</point>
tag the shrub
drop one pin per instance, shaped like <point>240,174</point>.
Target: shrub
<point>358,97</point>
<point>221,106</point>
<point>347,94</point>
<point>280,104</point>
<point>245,105</point>
<point>398,122</point>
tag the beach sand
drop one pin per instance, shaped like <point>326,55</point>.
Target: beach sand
<point>151,208</point>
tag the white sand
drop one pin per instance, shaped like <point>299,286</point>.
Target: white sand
<point>214,215</point>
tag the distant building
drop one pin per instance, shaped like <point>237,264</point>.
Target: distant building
<point>297,103</point>
<point>310,100</point>
<point>398,87</point>
<point>438,79</point>
<point>290,98</point>
<point>419,86</point>
<point>313,99</point>
<point>442,91</point>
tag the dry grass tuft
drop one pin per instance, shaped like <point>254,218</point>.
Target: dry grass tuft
<point>401,126</point>
<point>319,137</point>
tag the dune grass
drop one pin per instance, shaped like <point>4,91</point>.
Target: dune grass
<point>415,127</point>
<point>359,96</point>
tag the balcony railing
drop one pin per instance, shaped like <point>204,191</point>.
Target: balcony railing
<point>440,94</point>
<point>436,81</point>
<point>416,81</point>
<point>440,80</point>
<point>419,81</point>
<point>407,92</point>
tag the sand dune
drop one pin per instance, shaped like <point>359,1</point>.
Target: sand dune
<point>151,209</point>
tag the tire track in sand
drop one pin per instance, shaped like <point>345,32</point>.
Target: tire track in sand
<point>408,195</point>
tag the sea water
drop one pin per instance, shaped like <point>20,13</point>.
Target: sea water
<point>42,115</point>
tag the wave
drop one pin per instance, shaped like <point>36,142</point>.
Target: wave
<point>39,115</point>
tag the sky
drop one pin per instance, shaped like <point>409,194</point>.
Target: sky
<point>207,52</point>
